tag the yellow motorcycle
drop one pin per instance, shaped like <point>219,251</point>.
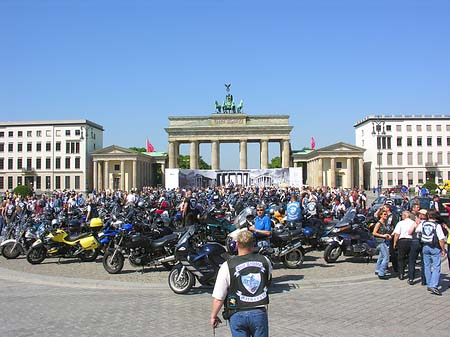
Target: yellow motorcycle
<point>58,243</point>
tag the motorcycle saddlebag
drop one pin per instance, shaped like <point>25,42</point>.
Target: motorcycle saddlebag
<point>89,243</point>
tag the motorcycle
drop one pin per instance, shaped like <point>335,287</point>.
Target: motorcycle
<point>142,250</point>
<point>58,243</point>
<point>196,261</point>
<point>351,238</point>
<point>25,235</point>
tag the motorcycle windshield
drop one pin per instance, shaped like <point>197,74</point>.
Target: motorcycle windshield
<point>349,216</point>
<point>241,219</point>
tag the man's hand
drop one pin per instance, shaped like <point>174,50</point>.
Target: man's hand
<point>215,321</point>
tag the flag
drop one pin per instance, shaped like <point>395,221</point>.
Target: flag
<point>150,147</point>
<point>313,143</point>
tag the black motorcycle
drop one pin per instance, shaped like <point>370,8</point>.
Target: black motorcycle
<point>196,260</point>
<point>351,238</point>
<point>142,250</point>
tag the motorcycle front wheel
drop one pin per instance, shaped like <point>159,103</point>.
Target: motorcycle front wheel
<point>181,280</point>
<point>332,253</point>
<point>89,255</point>
<point>293,259</point>
<point>36,254</point>
<point>113,265</point>
<point>11,250</point>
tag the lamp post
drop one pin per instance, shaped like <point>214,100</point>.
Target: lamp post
<point>378,130</point>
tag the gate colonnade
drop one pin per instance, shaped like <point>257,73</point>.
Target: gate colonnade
<point>229,128</point>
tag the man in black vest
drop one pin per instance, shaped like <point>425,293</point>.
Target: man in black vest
<point>242,286</point>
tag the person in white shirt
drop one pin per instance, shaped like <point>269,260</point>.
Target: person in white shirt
<point>402,241</point>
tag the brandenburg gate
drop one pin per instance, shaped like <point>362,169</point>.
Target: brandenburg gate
<point>229,128</point>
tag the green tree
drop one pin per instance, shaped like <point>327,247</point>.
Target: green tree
<point>138,149</point>
<point>430,186</point>
<point>275,163</point>
<point>184,163</point>
<point>23,190</point>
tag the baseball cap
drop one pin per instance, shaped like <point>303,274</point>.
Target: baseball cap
<point>423,211</point>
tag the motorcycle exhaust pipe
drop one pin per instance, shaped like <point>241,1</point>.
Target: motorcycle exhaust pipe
<point>167,259</point>
<point>290,248</point>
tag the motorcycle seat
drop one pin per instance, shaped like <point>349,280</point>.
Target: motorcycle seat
<point>162,241</point>
<point>75,237</point>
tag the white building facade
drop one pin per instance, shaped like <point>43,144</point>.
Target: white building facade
<point>48,155</point>
<point>404,150</point>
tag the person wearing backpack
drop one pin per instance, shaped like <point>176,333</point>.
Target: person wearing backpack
<point>432,238</point>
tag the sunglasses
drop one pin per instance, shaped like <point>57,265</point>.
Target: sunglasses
<point>260,210</point>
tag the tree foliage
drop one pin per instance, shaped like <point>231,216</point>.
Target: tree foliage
<point>275,163</point>
<point>184,163</point>
<point>138,149</point>
<point>430,186</point>
<point>23,190</point>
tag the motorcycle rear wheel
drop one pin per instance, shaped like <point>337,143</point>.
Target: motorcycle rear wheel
<point>36,254</point>
<point>332,253</point>
<point>293,259</point>
<point>11,250</point>
<point>113,266</point>
<point>181,284</point>
<point>89,255</point>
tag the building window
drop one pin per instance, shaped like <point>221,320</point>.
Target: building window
<point>19,133</point>
<point>19,163</point>
<point>390,180</point>
<point>77,183</point>
<point>419,158</point>
<point>10,147</point>
<point>398,128</point>
<point>77,162</point>
<point>58,133</point>
<point>67,132</point>
<point>399,159</point>
<point>439,141</point>
<point>410,178</point>
<point>10,183</point>
<point>429,141</point>
<point>47,182</point>
<point>379,159</point>
<point>338,164</point>
<point>29,134</point>
<point>77,132</point>
<point>388,128</point>
<point>38,163</point>
<point>10,134</point>
<point>72,147</point>
<point>38,147</point>
<point>448,158</point>
<point>58,146</point>
<point>10,163</point>
<point>19,147</point>
<point>29,147</point>
<point>116,167</point>
<point>67,162</point>
<point>439,158</point>
<point>409,141</point>
<point>67,182</point>
<point>2,147</point>
<point>438,127</point>
<point>38,182</point>
<point>420,177</point>
<point>419,141</point>
<point>57,163</point>
<point>29,165</point>
<point>2,134</point>
<point>47,163</point>
<point>408,128</point>
<point>38,133</point>
<point>2,183</point>
<point>389,159</point>
<point>428,127</point>
<point>447,127</point>
<point>48,133</point>
<point>410,160</point>
<point>57,182</point>
<point>389,145</point>
<point>430,157</point>
<point>448,141</point>
<point>48,146</point>
<point>419,127</point>
<point>2,163</point>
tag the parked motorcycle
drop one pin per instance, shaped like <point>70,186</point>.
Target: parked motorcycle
<point>196,261</point>
<point>25,235</point>
<point>58,243</point>
<point>352,238</point>
<point>142,250</point>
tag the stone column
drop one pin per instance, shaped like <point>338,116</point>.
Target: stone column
<point>95,175</point>
<point>122,175</point>
<point>215,155</point>
<point>193,163</point>
<point>172,158</point>
<point>106,182</point>
<point>243,155</point>
<point>350,172</point>
<point>360,173</point>
<point>177,154</point>
<point>163,174</point>
<point>320,172</point>
<point>333,172</point>
<point>134,174</point>
<point>285,154</point>
<point>264,153</point>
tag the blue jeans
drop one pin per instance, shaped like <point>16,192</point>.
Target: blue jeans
<point>432,265</point>
<point>383,258</point>
<point>250,323</point>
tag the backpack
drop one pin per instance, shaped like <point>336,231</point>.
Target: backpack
<point>10,210</point>
<point>429,236</point>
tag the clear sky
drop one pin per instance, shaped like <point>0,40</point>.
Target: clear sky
<point>128,65</point>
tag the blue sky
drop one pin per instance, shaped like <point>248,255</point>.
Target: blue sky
<point>129,65</point>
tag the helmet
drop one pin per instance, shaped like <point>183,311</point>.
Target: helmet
<point>141,204</point>
<point>55,222</point>
<point>96,222</point>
